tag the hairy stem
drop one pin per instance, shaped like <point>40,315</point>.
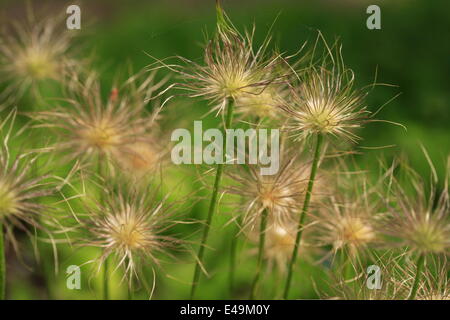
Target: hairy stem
<point>303,214</point>
<point>2,265</point>
<point>262,241</point>
<point>212,205</point>
<point>415,287</point>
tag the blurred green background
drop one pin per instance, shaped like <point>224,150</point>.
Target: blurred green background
<point>411,51</point>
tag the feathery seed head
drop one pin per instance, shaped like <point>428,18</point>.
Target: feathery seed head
<point>345,225</point>
<point>232,69</point>
<point>429,235</point>
<point>130,226</point>
<point>355,231</point>
<point>110,130</point>
<point>349,217</point>
<point>35,52</point>
<point>279,244</point>
<point>324,101</point>
<point>417,221</point>
<point>281,194</point>
<point>20,190</point>
<point>280,241</point>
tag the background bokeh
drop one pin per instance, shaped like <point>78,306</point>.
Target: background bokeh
<point>411,51</point>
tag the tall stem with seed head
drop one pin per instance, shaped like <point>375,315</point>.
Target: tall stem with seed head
<point>2,265</point>
<point>262,241</point>
<point>212,204</point>
<point>415,287</point>
<point>304,212</point>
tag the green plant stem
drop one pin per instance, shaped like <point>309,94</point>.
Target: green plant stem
<point>233,254</point>
<point>106,280</point>
<point>262,241</point>
<point>2,265</point>
<point>42,248</point>
<point>303,214</point>
<point>212,204</point>
<point>415,287</point>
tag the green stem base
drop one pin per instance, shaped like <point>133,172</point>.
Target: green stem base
<point>303,214</point>
<point>262,241</point>
<point>212,207</point>
<point>415,287</point>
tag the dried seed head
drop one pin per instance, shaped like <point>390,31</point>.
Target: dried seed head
<point>324,101</point>
<point>281,194</point>
<point>20,190</point>
<point>417,221</point>
<point>345,225</point>
<point>131,227</point>
<point>111,130</point>
<point>232,69</point>
<point>355,231</point>
<point>349,217</point>
<point>429,235</point>
<point>34,52</point>
<point>280,242</point>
